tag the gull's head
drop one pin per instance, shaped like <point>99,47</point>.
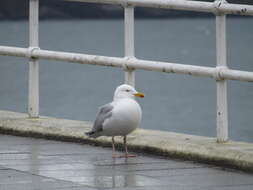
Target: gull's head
<point>126,91</point>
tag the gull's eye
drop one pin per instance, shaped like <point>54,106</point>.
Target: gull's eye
<point>127,90</point>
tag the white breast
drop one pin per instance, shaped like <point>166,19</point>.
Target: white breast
<point>126,117</point>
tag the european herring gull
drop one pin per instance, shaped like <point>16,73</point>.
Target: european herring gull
<point>118,118</point>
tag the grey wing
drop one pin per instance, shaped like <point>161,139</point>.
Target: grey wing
<point>104,113</point>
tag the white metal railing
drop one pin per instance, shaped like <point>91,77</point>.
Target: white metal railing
<point>219,6</point>
<point>129,63</point>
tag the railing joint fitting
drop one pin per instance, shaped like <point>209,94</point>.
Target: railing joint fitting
<point>30,51</point>
<point>126,4</point>
<point>127,66</point>
<point>218,76</point>
<point>217,4</point>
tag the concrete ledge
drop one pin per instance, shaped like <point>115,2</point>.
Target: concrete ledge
<point>238,155</point>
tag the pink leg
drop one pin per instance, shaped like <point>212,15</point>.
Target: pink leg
<point>127,155</point>
<point>113,148</point>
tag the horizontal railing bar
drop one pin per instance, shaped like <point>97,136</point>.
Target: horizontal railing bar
<point>199,6</point>
<point>130,63</point>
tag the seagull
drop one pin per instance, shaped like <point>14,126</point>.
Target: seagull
<point>118,118</point>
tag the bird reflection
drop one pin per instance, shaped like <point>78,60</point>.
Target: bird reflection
<point>115,177</point>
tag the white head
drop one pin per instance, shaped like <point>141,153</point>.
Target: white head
<point>126,91</point>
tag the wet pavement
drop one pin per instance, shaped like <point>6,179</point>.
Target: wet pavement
<point>33,164</point>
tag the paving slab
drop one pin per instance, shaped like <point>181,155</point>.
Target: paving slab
<point>171,145</point>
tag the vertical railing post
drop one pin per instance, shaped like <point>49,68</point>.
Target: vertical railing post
<point>33,91</point>
<point>129,42</point>
<point>221,56</point>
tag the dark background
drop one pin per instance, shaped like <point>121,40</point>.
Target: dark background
<point>60,9</point>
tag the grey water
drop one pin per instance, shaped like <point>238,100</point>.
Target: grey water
<point>173,102</point>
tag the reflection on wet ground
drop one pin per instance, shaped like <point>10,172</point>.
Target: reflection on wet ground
<point>27,163</point>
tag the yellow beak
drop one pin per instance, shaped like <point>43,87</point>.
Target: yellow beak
<point>138,94</point>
